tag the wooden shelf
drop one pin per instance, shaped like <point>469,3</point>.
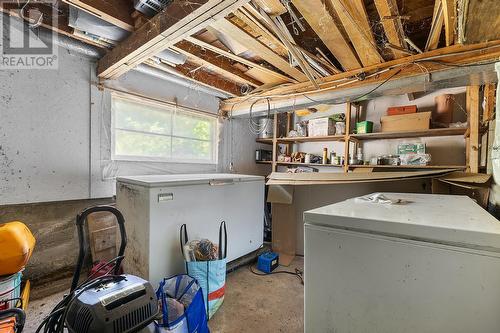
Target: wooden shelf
<point>264,162</point>
<point>410,134</point>
<point>309,164</point>
<point>408,166</point>
<point>304,139</point>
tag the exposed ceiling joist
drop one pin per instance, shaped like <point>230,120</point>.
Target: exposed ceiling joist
<point>391,21</point>
<point>436,27</point>
<point>263,69</point>
<point>236,33</point>
<point>322,22</point>
<point>180,19</point>
<point>445,60</point>
<point>353,15</point>
<point>272,7</point>
<point>116,12</point>
<point>449,14</point>
<point>214,61</point>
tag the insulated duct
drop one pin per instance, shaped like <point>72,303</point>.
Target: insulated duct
<point>172,57</point>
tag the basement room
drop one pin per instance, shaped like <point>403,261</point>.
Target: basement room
<point>227,166</point>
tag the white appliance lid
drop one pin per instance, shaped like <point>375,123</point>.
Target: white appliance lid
<point>447,219</point>
<point>187,179</point>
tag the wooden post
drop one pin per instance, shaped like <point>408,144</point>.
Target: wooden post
<point>289,127</point>
<point>472,107</point>
<point>275,142</point>
<point>489,97</point>
<point>346,136</point>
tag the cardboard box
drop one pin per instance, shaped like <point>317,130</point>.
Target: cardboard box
<point>399,110</point>
<point>321,127</point>
<point>407,122</point>
<point>411,148</point>
<point>473,185</point>
<point>364,127</point>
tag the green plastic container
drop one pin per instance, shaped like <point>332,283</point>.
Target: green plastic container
<point>364,127</point>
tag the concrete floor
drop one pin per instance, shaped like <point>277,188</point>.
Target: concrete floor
<point>273,303</point>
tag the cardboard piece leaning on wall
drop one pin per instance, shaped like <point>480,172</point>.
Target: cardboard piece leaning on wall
<point>284,232</point>
<point>103,235</point>
<point>473,185</point>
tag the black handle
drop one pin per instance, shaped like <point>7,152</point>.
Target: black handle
<point>221,229</point>
<point>80,221</point>
<point>183,237</point>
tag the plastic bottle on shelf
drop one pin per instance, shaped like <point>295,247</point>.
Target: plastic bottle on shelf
<point>325,155</point>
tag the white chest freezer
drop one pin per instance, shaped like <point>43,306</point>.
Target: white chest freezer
<point>155,207</point>
<point>431,265</point>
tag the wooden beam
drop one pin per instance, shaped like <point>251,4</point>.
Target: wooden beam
<point>472,107</point>
<point>436,27</point>
<point>490,101</point>
<point>214,61</point>
<point>389,15</point>
<point>116,12</point>
<point>449,14</point>
<point>236,33</point>
<point>244,61</point>
<point>181,19</point>
<point>322,22</point>
<point>272,7</point>
<point>199,75</point>
<point>357,26</point>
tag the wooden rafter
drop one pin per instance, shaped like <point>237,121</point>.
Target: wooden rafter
<point>236,33</point>
<point>450,15</point>
<point>353,15</point>
<point>116,12</point>
<point>199,75</point>
<point>217,63</point>
<point>240,59</point>
<point>272,7</point>
<point>391,21</point>
<point>395,69</point>
<point>323,24</point>
<point>436,27</point>
<point>181,19</point>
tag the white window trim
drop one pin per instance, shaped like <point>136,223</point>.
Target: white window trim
<point>173,108</point>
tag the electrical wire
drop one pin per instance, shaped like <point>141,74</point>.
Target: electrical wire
<point>298,273</point>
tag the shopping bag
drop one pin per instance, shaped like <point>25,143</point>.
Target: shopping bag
<point>211,275</point>
<point>182,306</point>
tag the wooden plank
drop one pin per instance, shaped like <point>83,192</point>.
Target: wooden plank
<point>213,61</point>
<point>389,15</point>
<point>198,75</point>
<point>323,24</point>
<point>236,33</point>
<point>278,76</point>
<point>436,27</point>
<point>346,137</point>
<point>357,26</point>
<point>272,7</point>
<point>490,100</point>
<point>450,15</point>
<point>312,138</point>
<point>116,12</point>
<point>472,107</point>
<point>275,143</point>
<point>183,18</point>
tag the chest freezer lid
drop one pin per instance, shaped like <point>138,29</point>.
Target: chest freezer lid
<point>188,179</point>
<point>445,219</point>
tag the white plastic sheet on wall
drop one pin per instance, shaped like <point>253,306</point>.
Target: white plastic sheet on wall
<point>495,152</point>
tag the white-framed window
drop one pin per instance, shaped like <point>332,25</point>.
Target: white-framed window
<point>145,130</point>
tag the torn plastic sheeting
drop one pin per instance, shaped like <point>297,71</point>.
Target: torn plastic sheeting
<point>328,178</point>
<point>84,21</point>
<point>495,151</point>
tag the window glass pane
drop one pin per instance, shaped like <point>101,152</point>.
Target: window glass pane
<point>143,117</point>
<point>193,126</point>
<point>191,149</point>
<point>139,144</point>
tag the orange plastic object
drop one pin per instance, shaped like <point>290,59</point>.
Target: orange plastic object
<point>17,243</point>
<point>8,325</point>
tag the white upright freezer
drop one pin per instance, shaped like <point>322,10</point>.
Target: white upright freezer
<point>155,207</point>
<point>430,265</point>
